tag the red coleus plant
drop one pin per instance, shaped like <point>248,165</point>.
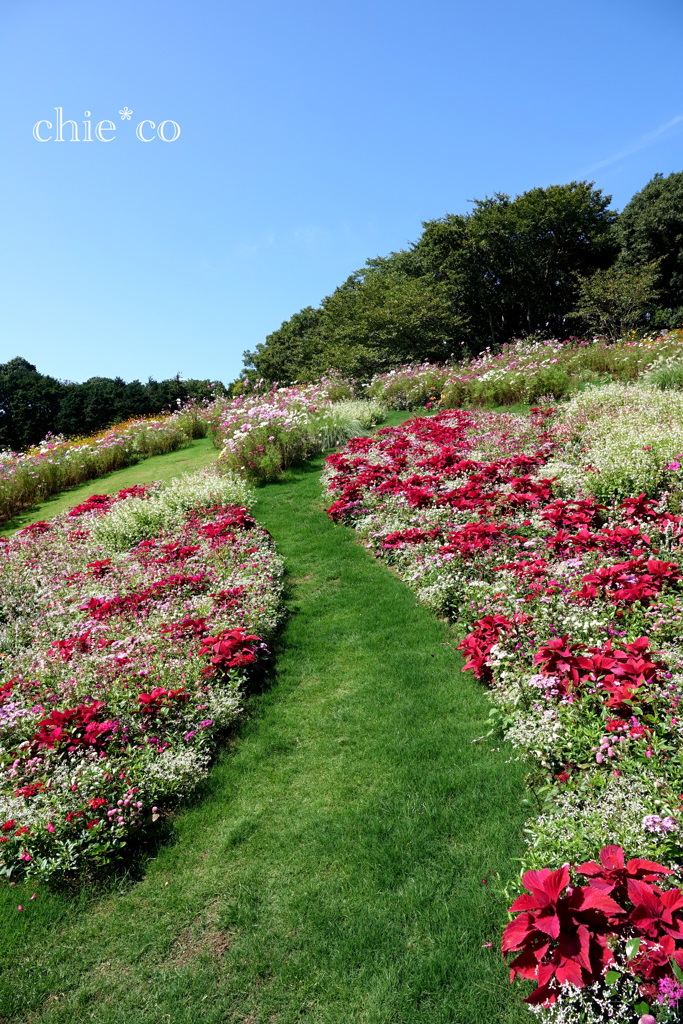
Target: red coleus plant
<point>562,933</point>
<point>160,697</point>
<point>231,648</point>
<point>639,579</point>
<point>478,644</point>
<point>413,535</point>
<point>35,529</point>
<point>475,537</point>
<point>74,728</point>
<point>618,672</point>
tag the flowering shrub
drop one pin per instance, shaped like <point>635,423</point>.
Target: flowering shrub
<point>529,370</point>
<point>569,607</point>
<point>122,664</point>
<point>533,369</point>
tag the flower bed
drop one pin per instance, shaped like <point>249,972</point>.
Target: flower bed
<point>261,434</point>
<point>56,464</point>
<point>408,387</point>
<point>622,439</point>
<point>126,651</point>
<point>569,609</point>
<point>529,370</point>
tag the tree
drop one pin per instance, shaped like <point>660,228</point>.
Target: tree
<point>506,269</point>
<point>381,318</point>
<point>651,227</point>
<point>288,353</point>
<point>614,301</point>
<point>29,402</point>
<point>512,263</point>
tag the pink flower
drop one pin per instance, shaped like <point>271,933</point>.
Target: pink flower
<point>50,827</point>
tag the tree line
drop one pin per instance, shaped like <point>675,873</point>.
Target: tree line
<point>33,404</point>
<point>553,262</point>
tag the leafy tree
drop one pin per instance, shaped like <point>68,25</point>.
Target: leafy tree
<point>28,404</point>
<point>289,353</point>
<point>31,404</point>
<point>512,264</point>
<point>616,300</point>
<point>650,227</point>
<point>381,318</point>
<point>506,269</point>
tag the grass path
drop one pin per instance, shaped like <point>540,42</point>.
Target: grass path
<point>332,870</point>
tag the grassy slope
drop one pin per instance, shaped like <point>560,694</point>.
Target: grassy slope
<point>333,870</point>
<point>158,467</point>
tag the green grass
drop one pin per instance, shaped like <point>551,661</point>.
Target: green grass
<point>339,865</point>
<point>158,467</point>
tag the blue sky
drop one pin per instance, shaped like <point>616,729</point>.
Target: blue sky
<point>312,136</point>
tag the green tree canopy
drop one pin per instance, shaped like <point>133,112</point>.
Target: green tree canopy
<point>507,268</point>
<point>651,227</point>
<point>29,403</point>
<point>33,405</point>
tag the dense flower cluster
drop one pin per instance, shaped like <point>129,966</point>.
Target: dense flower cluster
<point>530,370</point>
<point>623,439</point>
<point>261,433</point>
<point>570,609</point>
<point>410,386</point>
<point>121,666</point>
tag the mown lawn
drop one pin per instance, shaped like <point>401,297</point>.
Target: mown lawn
<point>339,866</point>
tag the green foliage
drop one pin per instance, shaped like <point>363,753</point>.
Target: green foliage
<point>378,318</point>
<point>615,300</point>
<point>515,263</point>
<point>408,387</point>
<point>33,405</point>
<point>666,373</point>
<point>288,354</point>
<point>265,451</point>
<point>506,269</point>
<point>650,227</point>
<point>29,404</point>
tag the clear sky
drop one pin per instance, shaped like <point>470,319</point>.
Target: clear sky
<point>313,135</point>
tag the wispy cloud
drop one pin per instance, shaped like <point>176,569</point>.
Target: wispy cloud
<point>641,143</point>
